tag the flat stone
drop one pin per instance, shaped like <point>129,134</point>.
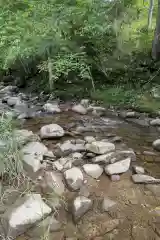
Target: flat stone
<point>107,204</point>
<point>32,156</point>
<point>156,144</point>
<point>51,108</point>
<point>140,178</point>
<point>81,205</point>
<point>74,178</point>
<point>53,182</point>
<point>138,169</point>
<point>105,158</point>
<point>100,147</point>
<point>93,170</point>
<point>51,131</point>
<point>65,148</point>
<point>24,214</point>
<point>79,109</point>
<point>118,167</point>
<point>155,122</point>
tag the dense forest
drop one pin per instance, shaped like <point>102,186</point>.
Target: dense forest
<point>102,47</point>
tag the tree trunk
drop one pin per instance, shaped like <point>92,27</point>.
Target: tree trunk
<point>150,13</point>
<point>156,41</point>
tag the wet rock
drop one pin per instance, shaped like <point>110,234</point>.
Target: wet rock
<point>50,224</point>
<point>24,214</point>
<point>89,139</point>
<point>107,204</point>
<point>51,131</point>
<point>84,191</point>
<point>33,156</point>
<point>115,178</point>
<point>85,103</point>
<point>118,167</point>
<point>79,109</point>
<point>53,182</point>
<point>74,178</point>
<point>138,169</point>
<point>96,110</point>
<point>140,122</point>
<point>8,89</point>
<point>81,205</point>
<point>90,155</point>
<point>130,114</point>
<point>13,101</point>
<point>51,108</point>
<point>116,139</point>
<point>93,170</point>
<point>140,178</point>
<point>100,147</point>
<point>156,144</point>
<point>20,107</point>
<point>23,136</point>
<point>125,154</point>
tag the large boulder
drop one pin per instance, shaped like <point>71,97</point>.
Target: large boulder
<point>81,205</point>
<point>51,131</point>
<point>33,156</point>
<point>100,147</point>
<point>23,214</point>
<point>93,170</point>
<point>74,178</point>
<point>118,167</point>
<point>79,109</point>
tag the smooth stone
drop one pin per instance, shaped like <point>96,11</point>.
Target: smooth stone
<point>51,131</point>
<point>118,167</point>
<point>93,170</point>
<point>74,178</point>
<point>23,214</point>
<point>76,158</point>
<point>156,144</point>
<point>51,108</point>
<point>84,103</point>
<point>155,122</point>
<point>81,205</point>
<point>79,109</point>
<point>107,204</point>
<point>138,169</point>
<point>100,147</point>
<point>141,178</point>
<point>13,101</point>
<point>105,158</point>
<point>65,148</point>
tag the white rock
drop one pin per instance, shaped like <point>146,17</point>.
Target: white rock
<point>65,148</point>
<point>93,170</point>
<point>89,139</point>
<point>85,103</point>
<point>156,144</point>
<point>105,158</point>
<point>51,131</point>
<point>51,108</point>
<point>100,147</point>
<point>74,178</point>
<point>107,204</point>
<point>140,178</point>
<point>32,156</point>
<point>13,101</point>
<point>54,183</point>
<point>76,158</point>
<point>96,110</point>
<point>24,214</point>
<point>118,167</point>
<point>81,205</point>
<point>138,169</point>
<point>155,122</point>
<point>79,109</point>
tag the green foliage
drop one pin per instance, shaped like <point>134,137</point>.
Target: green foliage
<point>79,40</point>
